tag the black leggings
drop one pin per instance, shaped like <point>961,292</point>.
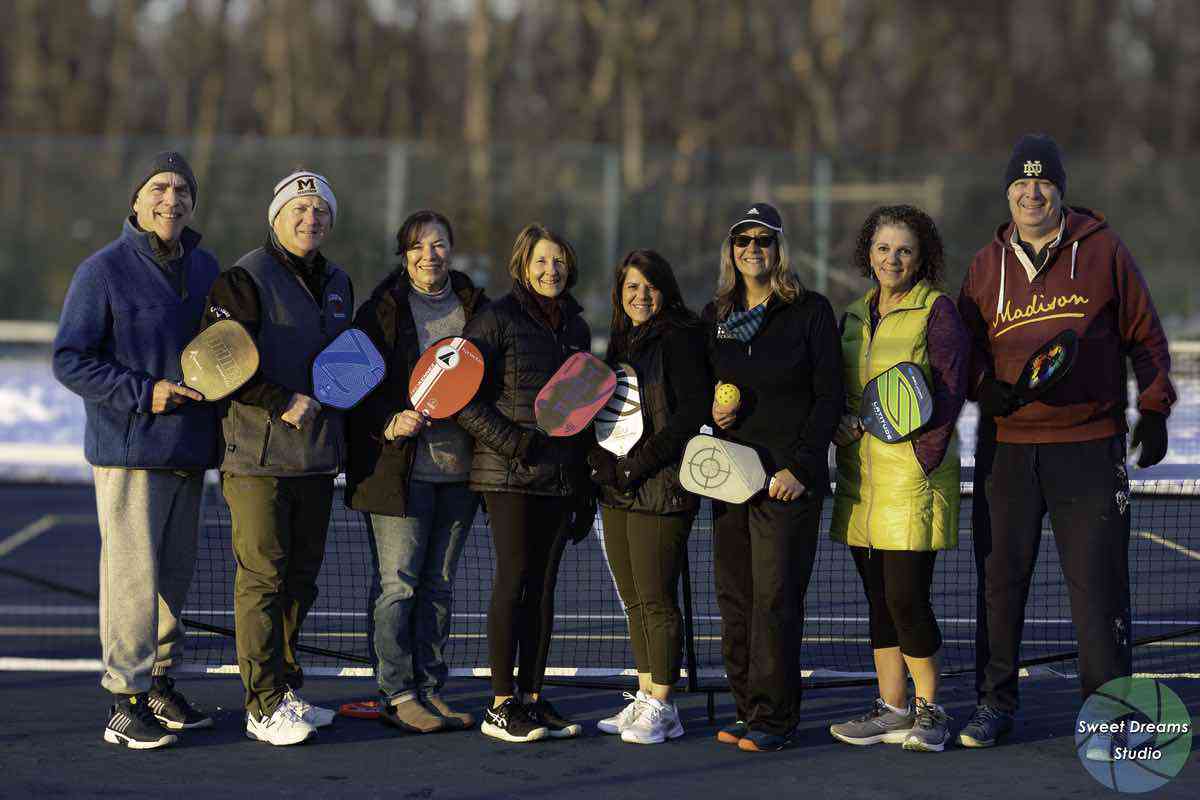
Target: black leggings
<point>897,585</point>
<point>526,535</point>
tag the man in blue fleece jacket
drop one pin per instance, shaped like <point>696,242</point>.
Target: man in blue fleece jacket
<point>131,309</point>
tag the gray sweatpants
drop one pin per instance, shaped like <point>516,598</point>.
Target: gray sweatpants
<point>149,520</point>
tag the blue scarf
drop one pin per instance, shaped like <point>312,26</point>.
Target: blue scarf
<point>742,325</point>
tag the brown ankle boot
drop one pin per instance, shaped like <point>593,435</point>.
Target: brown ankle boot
<point>456,719</point>
<point>412,717</point>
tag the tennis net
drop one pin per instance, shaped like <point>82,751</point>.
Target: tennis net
<point>590,638</point>
<point>50,596</point>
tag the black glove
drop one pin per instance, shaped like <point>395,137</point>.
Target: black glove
<point>604,467</point>
<point>537,446</point>
<point>581,516</point>
<point>1151,433</point>
<point>997,398</point>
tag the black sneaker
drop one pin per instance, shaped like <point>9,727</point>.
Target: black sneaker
<point>511,722</point>
<point>172,709</point>
<point>545,714</point>
<point>986,727</point>
<point>133,724</point>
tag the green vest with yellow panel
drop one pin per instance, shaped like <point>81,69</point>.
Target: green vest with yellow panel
<point>883,498</point>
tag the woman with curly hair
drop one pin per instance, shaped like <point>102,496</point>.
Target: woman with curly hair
<point>896,505</point>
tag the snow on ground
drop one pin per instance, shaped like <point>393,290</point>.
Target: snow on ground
<point>41,425</point>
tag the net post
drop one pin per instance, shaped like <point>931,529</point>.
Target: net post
<point>689,635</point>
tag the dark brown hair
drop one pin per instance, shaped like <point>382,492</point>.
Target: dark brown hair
<point>407,235</point>
<point>933,258</point>
<point>657,270</point>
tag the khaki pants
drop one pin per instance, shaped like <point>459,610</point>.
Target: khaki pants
<point>279,528</point>
<point>149,519</point>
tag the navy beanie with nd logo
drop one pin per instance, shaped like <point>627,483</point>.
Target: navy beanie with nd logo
<point>1036,156</point>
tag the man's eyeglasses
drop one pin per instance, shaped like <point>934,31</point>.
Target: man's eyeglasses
<point>764,240</point>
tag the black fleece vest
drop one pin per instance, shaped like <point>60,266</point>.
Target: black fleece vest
<point>295,328</point>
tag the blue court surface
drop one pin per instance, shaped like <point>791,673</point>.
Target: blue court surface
<point>48,569</point>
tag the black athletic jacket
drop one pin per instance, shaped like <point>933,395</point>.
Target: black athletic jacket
<point>520,354</point>
<point>378,470</point>
<point>790,378</point>
<point>675,386</point>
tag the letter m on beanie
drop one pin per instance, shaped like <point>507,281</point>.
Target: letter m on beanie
<point>309,185</point>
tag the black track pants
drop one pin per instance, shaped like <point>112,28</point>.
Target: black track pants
<point>1084,487</point>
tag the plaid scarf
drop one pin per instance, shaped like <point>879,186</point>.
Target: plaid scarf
<point>742,325</point>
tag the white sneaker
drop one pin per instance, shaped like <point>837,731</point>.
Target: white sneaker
<point>620,721</point>
<point>281,728</point>
<point>656,723</point>
<point>314,715</point>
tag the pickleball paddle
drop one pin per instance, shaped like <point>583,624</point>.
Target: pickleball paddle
<point>726,471</point>
<point>362,709</point>
<point>347,370</point>
<point>446,377</point>
<point>1048,365</point>
<point>896,402</point>
<point>574,395</point>
<point>219,360</point>
<point>619,424</point>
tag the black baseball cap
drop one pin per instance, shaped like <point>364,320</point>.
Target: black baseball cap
<point>760,214</point>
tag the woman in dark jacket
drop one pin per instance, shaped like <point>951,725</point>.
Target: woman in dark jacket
<point>529,481</point>
<point>778,344</point>
<point>647,514</point>
<point>408,476</point>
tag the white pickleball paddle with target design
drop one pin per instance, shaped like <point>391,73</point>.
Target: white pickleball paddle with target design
<point>722,470</point>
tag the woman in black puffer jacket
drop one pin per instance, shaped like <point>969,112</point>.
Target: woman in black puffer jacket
<point>647,514</point>
<point>530,482</point>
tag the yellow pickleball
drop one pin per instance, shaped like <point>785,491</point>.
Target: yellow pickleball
<point>728,396</point>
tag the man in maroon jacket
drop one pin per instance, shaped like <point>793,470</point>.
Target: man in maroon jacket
<point>1049,269</point>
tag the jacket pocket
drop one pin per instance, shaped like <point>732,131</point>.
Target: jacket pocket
<point>129,431</point>
<point>263,459</point>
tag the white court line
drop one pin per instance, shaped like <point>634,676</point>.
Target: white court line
<point>37,528</point>
<point>1167,543</point>
<point>94,665</point>
<point>91,610</point>
<point>32,630</point>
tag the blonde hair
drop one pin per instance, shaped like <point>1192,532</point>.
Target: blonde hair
<point>522,252</point>
<point>785,284</point>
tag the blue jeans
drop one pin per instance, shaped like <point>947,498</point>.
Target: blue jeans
<point>416,557</point>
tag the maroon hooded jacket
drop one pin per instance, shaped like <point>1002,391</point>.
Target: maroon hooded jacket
<point>1089,283</point>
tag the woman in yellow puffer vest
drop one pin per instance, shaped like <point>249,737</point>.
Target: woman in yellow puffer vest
<point>896,504</point>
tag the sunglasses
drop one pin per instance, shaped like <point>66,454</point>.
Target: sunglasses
<point>764,240</point>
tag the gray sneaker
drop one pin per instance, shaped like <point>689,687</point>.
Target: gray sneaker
<point>880,724</point>
<point>931,730</point>
<point>987,725</point>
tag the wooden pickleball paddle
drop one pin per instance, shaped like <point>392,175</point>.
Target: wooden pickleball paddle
<point>219,360</point>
